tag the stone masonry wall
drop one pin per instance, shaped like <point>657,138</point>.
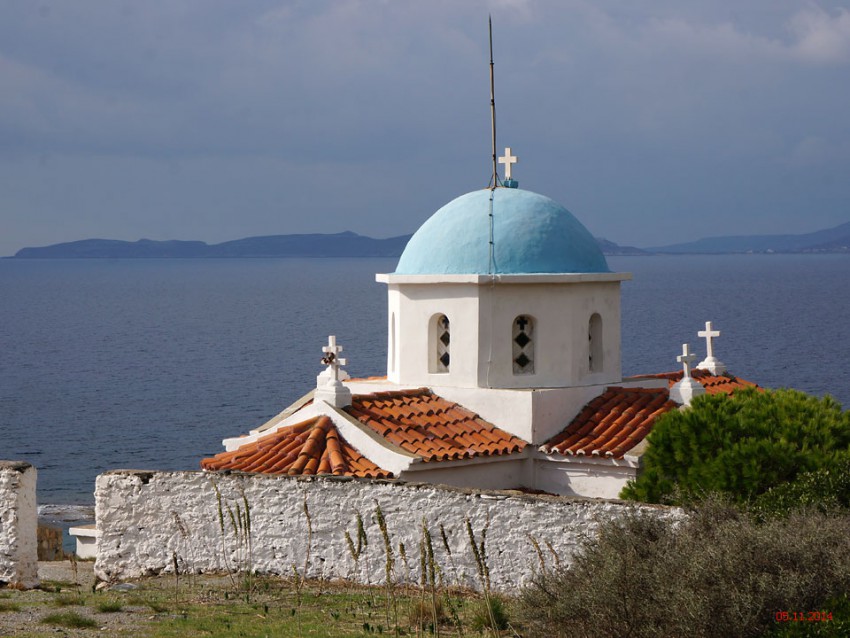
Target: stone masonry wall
<point>18,525</point>
<point>272,524</point>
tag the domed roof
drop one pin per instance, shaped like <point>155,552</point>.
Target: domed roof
<point>531,234</point>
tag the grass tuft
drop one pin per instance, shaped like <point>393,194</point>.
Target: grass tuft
<point>8,606</point>
<point>109,606</point>
<point>490,614</point>
<point>69,619</point>
<point>69,600</point>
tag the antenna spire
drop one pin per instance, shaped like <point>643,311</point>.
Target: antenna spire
<point>494,180</point>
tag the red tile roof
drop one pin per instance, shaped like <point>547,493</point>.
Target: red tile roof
<point>310,447</point>
<point>431,427</point>
<point>612,423</point>
<point>620,418</point>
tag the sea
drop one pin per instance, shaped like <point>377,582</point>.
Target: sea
<point>150,363</point>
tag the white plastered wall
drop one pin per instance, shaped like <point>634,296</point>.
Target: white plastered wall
<point>589,477</point>
<point>147,520</point>
<point>414,308</point>
<point>18,524</point>
<point>481,311</point>
<point>501,472</point>
<point>532,415</point>
<point>561,314</point>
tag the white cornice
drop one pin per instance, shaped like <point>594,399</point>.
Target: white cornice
<point>555,278</point>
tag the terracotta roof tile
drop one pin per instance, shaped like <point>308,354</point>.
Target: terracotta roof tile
<point>431,427</point>
<point>311,447</point>
<point>620,418</point>
<point>612,423</point>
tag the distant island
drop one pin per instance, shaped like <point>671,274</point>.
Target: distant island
<point>349,244</point>
<point>831,240</point>
<point>346,244</point>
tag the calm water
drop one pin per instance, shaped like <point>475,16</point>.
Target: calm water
<point>149,363</point>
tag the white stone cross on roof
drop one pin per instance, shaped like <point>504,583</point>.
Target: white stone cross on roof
<point>688,388</point>
<point>332,358</point>
<point>710,363</point>
<point>686,359</point>
<point>508,160</point>
<point>708,334</point>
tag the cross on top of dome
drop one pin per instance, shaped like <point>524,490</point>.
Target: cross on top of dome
<point>508,159</point>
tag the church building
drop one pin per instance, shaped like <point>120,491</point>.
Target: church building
<point>503,365</point>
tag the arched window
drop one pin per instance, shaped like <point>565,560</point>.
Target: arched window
<point>523,345</point>
<point>440,344</point>
<point>594,336</point>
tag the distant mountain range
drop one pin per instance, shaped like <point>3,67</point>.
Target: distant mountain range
<point>345,244</point>
<point>349,244</point>
<point>831,240</point>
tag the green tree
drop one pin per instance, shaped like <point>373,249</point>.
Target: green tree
<point>741,445</point>
<point>827,489</point>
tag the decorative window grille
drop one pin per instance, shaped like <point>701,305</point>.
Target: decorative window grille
<point>443,344</point>
<point>594,338</point>
<point>523,345</point>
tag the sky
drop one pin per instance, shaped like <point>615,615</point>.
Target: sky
<point>653,122</point>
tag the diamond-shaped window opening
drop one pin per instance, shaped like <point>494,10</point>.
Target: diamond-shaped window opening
<point>523,345</point>
<point>441,351</point>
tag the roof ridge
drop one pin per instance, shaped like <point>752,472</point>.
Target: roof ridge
<point>391,394</point>
<point>313,446</point>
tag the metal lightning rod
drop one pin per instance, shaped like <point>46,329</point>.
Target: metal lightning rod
<point>495,179</point>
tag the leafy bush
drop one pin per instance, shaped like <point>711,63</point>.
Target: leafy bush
<point>741,444</point>
<point>825,489</point>
<point>719,573</point>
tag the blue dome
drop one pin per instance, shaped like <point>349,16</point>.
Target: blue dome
<point>531,234</point>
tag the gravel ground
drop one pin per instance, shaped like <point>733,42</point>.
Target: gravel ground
<point>35,604</point>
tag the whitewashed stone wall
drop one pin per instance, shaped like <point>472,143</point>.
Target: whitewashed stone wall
<point>18,525</point>
<point>148,519</point>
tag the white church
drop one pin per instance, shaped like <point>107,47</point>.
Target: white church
<point>503,365</point>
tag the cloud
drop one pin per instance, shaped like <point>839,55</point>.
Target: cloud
<point>606,102</point>
<point>821,37</point>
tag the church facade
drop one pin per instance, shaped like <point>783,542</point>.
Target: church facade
<point>503,366</point>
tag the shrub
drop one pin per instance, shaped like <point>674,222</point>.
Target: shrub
<point>825,489</point>
<point>491,610</point>
<point>423,612</point>
<point>741,444</point>
<point>720,573</point>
